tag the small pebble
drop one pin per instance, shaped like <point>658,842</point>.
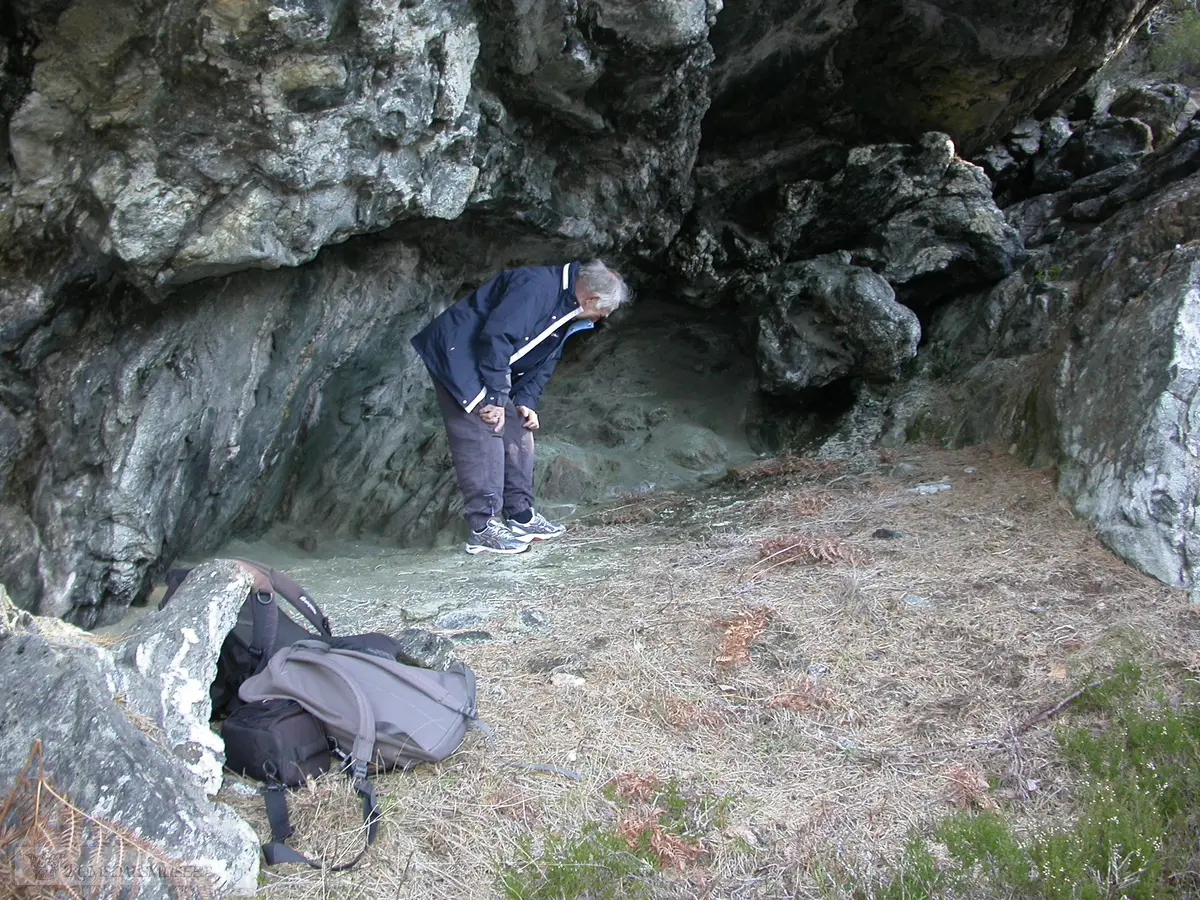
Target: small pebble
<point>241,788</point>
<point>930,487</point>
<point>474,636</point>
<point>534,618</point>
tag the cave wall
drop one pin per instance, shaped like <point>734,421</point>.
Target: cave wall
<point>220,222</point>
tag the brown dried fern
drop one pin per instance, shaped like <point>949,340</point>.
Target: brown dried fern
<point>634,786</point>
<point>741,631</point>
<point>968,789</point>
<point>801,549</point>
<point>50,848</point>
<point>670,850</point>
<point>787,464</point>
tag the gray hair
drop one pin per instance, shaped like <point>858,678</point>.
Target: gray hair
<point>599,279</point>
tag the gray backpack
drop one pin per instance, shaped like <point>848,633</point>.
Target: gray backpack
<point>379,714</point>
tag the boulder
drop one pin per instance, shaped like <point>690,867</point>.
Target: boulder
<point>913,211</point>
<point>690,446</point>
<point>1164,106</point>
<point>167,659</point>
<point>1109,142</point>
<point>123,745</point>
<point>20,552</point>
<point>824,320</point>
<point>1087,359</point>
<point>1128,401</point>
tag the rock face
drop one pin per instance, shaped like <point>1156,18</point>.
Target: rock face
<point>187,353</point>
<point>124,734</point>
<point>1086,357</point>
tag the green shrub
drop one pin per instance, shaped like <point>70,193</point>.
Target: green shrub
<point>596,863</point>
<point>1175,47</point>
<point>1137,834</point>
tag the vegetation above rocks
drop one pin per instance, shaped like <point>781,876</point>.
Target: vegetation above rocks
<point>1174,39</point>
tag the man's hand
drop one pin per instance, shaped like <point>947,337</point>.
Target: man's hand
<point>529,418</point>
<point>494,416</point>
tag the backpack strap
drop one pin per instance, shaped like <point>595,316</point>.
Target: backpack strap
<point>275,796</point>
<point>265,634</point>
<point>293,593</point>
<point>277,851</point>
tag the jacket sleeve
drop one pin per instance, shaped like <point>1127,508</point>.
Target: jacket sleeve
<point>531,388</point>
<point>502,334</point>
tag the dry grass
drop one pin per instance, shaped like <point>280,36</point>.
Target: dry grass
<point>833,706</point>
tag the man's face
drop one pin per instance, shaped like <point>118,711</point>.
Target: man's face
<point>591,310</point>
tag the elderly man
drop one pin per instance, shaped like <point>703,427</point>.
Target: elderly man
<point>490,355</point>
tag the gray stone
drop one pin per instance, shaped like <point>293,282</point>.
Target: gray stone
<point>110,757</point>
<point>1109,142</point>
<point>1164,106</point>
<point>1128,408</point>
<point>419,647</point>
<point>461,619</point>
<point>824,320</point>
<point>20,552</point>
<point>916,210</point>
<point>534,619</point>
<point>565,479</point>
<point>929,487</point>
<point>691,446</point>
<point>472,636</point>
<point>168,659</point>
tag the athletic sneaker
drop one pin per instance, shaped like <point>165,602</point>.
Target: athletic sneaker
<point>538,528</point>
<point>495,538</point>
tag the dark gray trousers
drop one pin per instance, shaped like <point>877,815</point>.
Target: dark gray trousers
<point>495,470</point>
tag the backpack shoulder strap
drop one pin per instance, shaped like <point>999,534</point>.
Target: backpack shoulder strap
<point>265,624</point>
<point>313,654</point>
<point>293,593</point>
<point>277,851</point>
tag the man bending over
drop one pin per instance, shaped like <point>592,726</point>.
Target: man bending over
<point>490,356</point>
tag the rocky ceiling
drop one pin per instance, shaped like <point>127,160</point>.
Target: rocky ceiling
<point>221,220</point>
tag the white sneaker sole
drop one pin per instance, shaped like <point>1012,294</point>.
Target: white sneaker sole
<point>475,549</point>
<point>530,538</point>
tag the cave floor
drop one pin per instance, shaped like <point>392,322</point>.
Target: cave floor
<point>771,677</point>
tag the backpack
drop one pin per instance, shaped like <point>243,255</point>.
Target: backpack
<point>378,714</point>
<point>261,628</point>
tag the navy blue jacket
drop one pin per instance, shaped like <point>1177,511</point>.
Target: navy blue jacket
<point>504,338</point>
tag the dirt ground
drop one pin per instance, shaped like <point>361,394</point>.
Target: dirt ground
<point>817,657</point>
